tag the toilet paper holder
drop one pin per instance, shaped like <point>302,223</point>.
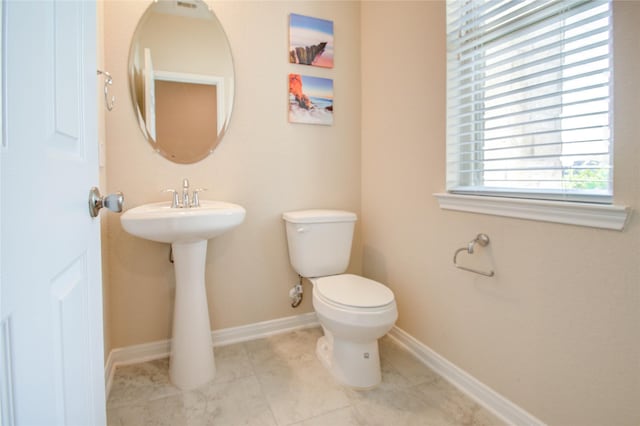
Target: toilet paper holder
<point>483,241</point>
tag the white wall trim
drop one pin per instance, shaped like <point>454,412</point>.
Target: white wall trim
<point>481,393</point>
<point>160,349</point>
<point>109,370</point>
<point>604,216</point>
<point>244,333</point>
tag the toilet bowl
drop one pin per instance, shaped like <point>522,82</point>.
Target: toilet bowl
<point>354,311</point>
<point>352,326</point>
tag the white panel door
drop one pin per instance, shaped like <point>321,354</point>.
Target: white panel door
<point>51,348</point>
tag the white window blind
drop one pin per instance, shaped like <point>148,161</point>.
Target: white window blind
<point>528,99</point>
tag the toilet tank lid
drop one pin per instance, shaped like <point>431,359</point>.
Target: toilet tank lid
<point>319,216</point>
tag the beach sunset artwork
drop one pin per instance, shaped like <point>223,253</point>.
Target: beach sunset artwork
<point>310,41</point>
<point>310,100</point>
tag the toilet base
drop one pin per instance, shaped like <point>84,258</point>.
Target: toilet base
<point>355,364</point>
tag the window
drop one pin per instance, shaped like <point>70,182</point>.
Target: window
<point>528,99</point>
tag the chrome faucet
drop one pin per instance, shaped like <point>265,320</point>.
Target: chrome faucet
<point>184,201</point>
<point>185,193</point>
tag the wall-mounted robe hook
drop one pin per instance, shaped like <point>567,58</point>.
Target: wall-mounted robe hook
<point>108,81</point>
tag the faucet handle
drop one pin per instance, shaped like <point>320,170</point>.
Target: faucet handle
<point>175,200</point>
<point>195,202</point>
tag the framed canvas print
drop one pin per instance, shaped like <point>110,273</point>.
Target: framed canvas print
<point>310,100</point>
<point>310,41</point>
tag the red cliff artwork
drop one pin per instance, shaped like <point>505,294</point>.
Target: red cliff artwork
<point>310,100</point>
<point>295,88</point>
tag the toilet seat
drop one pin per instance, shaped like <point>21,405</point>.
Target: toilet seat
<point>352,292</point>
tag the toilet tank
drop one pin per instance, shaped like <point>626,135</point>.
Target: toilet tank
<point>319,241</point>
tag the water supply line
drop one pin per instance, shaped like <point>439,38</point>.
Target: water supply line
<point>296,294</point>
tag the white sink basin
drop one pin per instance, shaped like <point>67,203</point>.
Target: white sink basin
<point>159,222</point>
<point>192,361</point>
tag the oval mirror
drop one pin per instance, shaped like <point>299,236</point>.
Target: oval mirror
<point>181,79</point>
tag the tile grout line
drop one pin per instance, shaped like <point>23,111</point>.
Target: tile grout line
<point>260,384</point>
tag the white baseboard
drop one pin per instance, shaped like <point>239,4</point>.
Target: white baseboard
<point>263,329</point>
<point>109,370</point>
<point>491,400</point>
<point>162,348</point>
<point>482,394</point>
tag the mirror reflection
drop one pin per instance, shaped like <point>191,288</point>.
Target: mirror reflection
<point>181,78</point>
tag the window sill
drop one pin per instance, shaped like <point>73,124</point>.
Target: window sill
<point>581,214</point>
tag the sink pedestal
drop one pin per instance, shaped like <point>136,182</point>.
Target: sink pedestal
<point>187,230</point>
<point>192,363</point>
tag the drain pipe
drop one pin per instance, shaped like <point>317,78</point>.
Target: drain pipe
<point>296,294</point>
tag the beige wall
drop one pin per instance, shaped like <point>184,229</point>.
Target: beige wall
<point>263,163</point>
<point>557,329</point>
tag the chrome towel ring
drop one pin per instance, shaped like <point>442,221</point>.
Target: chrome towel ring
<point>483,241</point>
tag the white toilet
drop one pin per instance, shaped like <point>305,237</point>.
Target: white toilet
<point>354,311</point>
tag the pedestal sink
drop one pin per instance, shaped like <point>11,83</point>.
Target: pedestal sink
<point>187,230</point>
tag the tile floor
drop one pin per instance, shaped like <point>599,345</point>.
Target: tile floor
<point>278,381</point>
